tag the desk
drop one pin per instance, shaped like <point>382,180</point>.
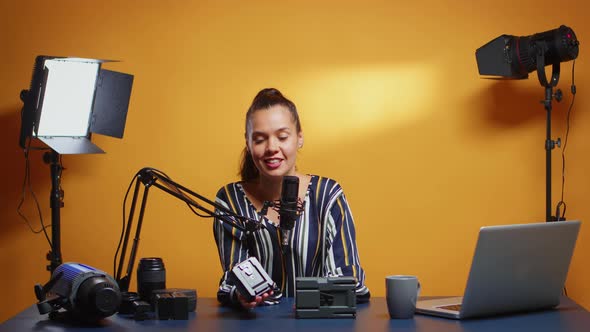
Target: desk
<point>373,316</point>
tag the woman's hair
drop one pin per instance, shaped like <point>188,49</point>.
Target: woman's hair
<point>265,99</point>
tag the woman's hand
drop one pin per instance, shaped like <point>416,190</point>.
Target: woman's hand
<point>257,300</point>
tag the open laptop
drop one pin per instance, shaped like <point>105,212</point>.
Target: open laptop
<point>515,268</point>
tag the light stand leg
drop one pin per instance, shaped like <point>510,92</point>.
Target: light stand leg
<point>56,203</point>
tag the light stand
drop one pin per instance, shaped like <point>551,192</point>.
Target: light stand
<point>56,202</point>
<point>150,177</point>
<point>549,142</point>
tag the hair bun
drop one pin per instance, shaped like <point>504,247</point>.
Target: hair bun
<point>269,92</point>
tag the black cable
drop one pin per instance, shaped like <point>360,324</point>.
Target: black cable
<point>135,178</point>
<point>561,205</point>
<point>27,184</point>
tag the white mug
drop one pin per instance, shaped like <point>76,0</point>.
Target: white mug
<point>401,293</point>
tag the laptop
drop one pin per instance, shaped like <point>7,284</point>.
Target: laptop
<point>515,268</point>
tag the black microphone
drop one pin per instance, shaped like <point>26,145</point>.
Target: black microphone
<point>288,209</point>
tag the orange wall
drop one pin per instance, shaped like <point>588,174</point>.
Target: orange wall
<point>391,104</point>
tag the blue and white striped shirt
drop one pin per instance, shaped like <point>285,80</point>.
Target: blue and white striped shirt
<point>322,242</point>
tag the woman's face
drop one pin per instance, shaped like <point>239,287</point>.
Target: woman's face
<point>273,141</point>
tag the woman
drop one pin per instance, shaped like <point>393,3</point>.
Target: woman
<point>322,242</point>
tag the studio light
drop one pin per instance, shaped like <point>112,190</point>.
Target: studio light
<point>515,57</point>
<point>67,101</point>
<point>70,98</point>
<point>86,293</point>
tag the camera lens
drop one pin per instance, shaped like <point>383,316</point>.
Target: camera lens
<point>151,275</point>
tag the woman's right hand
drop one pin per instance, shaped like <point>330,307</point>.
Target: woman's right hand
<point>257,300</point>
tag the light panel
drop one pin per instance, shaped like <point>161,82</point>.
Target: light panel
<point>68,98</point>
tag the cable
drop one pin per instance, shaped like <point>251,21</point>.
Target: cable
<point>133,180</point>
<point>560,214</point>
<point>27,185</point>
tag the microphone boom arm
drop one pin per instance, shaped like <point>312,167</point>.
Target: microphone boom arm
<point>151,177</point>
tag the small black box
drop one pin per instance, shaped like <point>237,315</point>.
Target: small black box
<point>171,306</point>
<point>191,294</point>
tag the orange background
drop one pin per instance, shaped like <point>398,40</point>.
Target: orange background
<point>391,103</point>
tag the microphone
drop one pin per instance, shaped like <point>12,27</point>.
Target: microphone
<point>288,208</point>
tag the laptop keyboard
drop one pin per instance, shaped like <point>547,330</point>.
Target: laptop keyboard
<point>452,307</point>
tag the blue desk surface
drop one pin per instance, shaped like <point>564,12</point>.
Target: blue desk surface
<point>568,316</point>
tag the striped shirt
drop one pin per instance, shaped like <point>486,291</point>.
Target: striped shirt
<point>322,242</point>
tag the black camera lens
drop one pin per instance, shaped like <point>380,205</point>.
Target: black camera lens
<point>151,275</point>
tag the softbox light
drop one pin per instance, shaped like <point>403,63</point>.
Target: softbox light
<point>71,98</point>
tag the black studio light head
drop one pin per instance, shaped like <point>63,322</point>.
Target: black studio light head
<point>513,57</point>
